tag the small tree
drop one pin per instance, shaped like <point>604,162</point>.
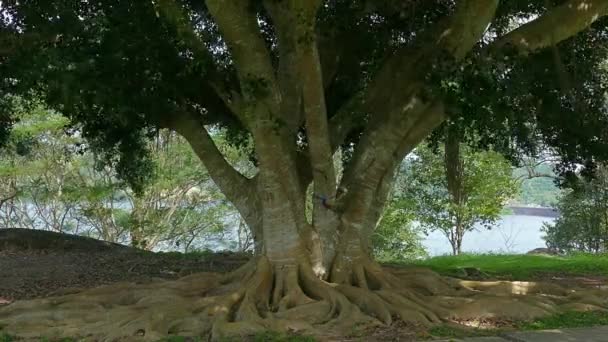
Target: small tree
<point>396,238</point>
<point>49,180</point>
<point>179,207</point>
<point>38,169</point>
<point>583,225</point>
<point>453,190</point>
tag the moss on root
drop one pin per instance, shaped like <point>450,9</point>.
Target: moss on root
<point>261,297</point>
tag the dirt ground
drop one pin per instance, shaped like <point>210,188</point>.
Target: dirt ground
<point>37,264</point>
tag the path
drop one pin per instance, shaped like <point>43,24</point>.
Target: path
<point>595,334</point>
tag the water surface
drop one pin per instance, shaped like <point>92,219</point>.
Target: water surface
<point>512,234</point>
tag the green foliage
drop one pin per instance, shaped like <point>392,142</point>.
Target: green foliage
<point>491,96</point>
<point>179,205</point>
<point>519,267</point>
<point>566,320</point>
<point>455,331</point>
<point>396,238</point>
<point>6,338</point>
<point>181,339</point>
<point>583,224</point>
<point>570,319</point>
<point>53,182</point>
<point>39,169</point>
<point>537,191</point>
<point>486,185</point>
<point>122,68</point>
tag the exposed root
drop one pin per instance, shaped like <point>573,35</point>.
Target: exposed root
<point>290,298</point>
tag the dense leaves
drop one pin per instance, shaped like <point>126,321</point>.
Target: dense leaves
<point>112,66</point>
<point>486,185</point>
<point>583,225</point>
<point>396,237</point>
<point>522,104</point>
<point>123,68</point>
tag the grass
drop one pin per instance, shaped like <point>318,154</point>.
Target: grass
<point>180,339</point>
<point>6,338</point>
<point>522,267</point>
<point>519,267</point>
<point>514,267</point>
<point>566,320</point>
<point>457,332</point>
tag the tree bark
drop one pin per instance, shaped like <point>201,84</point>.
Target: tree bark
<point>560,23</point>
<point>454,172</point>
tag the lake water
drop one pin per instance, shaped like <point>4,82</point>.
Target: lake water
<point>512,234</point>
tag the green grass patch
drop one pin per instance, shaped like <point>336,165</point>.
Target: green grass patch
<point>452,331</point>
<point>566,320</point>
<point>6,338</point>
<point>519,267</point>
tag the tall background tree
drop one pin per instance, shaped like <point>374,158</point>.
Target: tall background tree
<point>38,170</point>
<point>455,189</point>
<point>301,78</point>
<point>583,224</point>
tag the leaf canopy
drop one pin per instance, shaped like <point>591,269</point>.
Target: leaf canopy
<point>122,69</point>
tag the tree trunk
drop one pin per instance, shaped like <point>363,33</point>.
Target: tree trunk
<point>459,236</point>
<point>454,249</point>
<point>454,172</point>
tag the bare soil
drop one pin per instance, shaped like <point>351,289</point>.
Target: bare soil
<point>39,264</point>
<point>35,264</point>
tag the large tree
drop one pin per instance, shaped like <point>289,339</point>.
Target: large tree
<point>302,79</point>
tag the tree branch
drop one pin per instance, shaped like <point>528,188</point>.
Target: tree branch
<point>239,27</point>
<point>315,112</point>
<point>395,112</point>
<point>560,23</point>
<point>406,68</point>
<point>173,14</point>
<point>283,18</point>
<point>232,183</point>
<point>8,198</point>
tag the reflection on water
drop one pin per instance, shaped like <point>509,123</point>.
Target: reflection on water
<point>512,234</point>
